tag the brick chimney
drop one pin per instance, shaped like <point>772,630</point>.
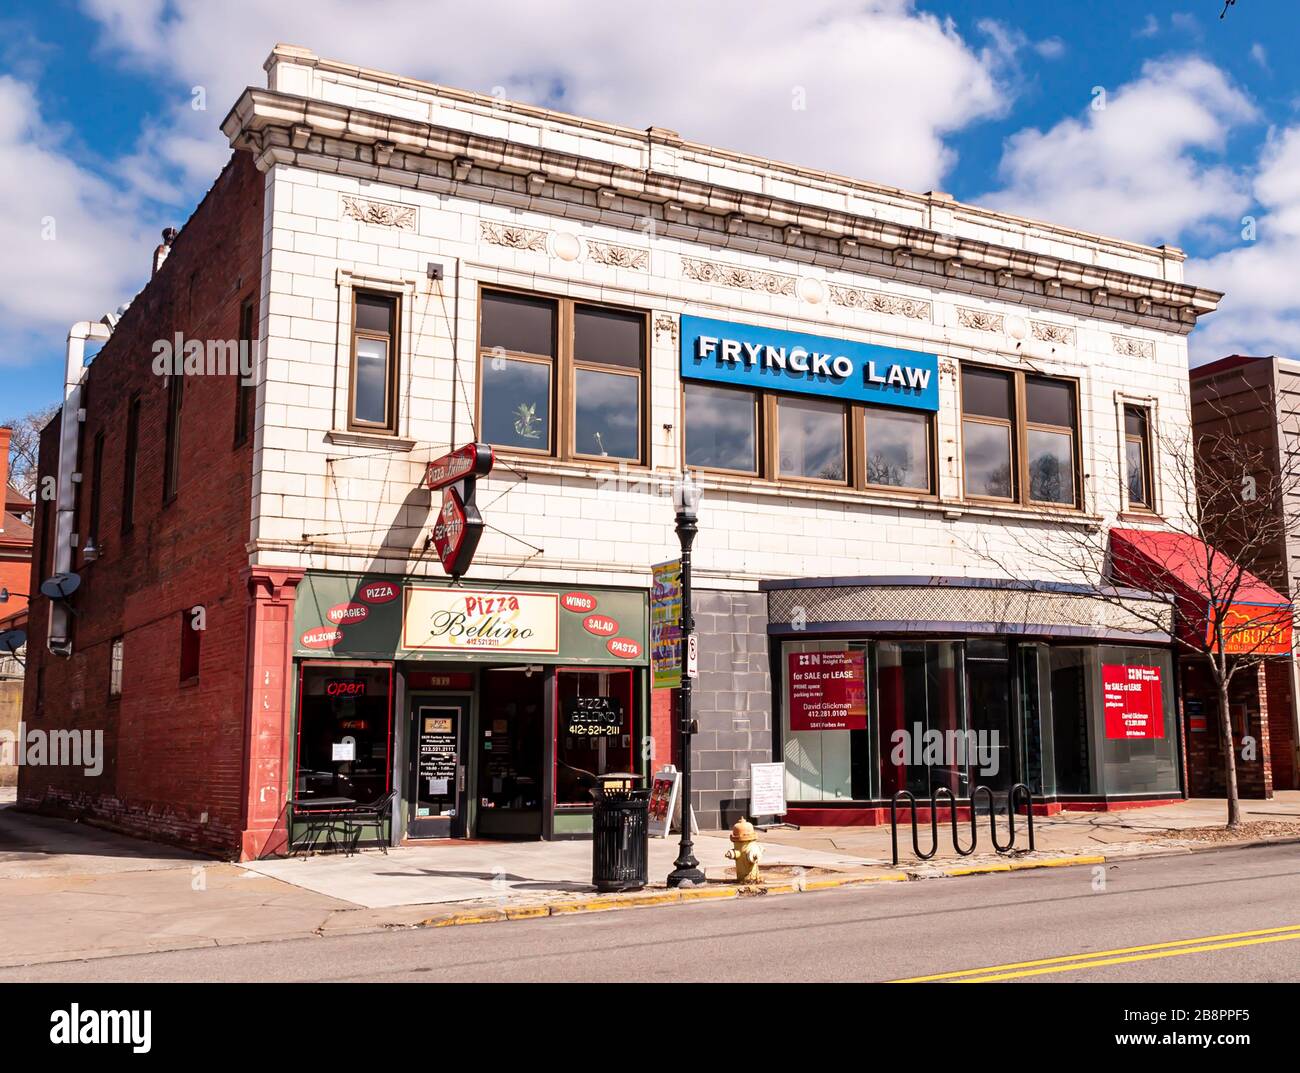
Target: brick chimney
<point>6,434</point>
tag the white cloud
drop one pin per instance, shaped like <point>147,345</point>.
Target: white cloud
<point>883,83</point>
<point>75,248</point>
<point>1260,55</point>
<point>1260,313</point>
<point>1134,168</point>
<point>1149,28</point>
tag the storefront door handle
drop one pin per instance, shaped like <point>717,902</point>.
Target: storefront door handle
<point>460,778</point>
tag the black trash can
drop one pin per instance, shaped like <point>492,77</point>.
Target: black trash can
<point>620,836</point>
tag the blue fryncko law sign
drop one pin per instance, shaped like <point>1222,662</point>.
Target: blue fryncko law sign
<point>749,356</point>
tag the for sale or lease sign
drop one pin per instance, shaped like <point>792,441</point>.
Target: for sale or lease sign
<point>828,690</point>
<point>1134,702</point>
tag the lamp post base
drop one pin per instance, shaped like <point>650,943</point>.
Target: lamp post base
<point>686,871</point>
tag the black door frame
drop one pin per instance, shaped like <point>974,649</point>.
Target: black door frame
<point>438,826</point>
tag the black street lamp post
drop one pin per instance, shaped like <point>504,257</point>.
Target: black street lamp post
<point>686,500</point>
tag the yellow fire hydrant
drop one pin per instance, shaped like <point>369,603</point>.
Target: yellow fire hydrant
<point>746,851</point>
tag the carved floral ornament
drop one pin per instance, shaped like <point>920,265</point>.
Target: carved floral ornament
<point>606,253</point>
<point>512,235</point>
<point>380,213</point>
<point>1052,333</point>
<point>1128,347</point>
<point>879,302</point>
<point>666,324</point>
<point>744,279</point>
<point>980,319</point>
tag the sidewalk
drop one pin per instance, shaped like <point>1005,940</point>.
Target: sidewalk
<point>69,891</point>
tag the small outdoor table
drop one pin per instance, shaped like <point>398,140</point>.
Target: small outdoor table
<point>320,815</point>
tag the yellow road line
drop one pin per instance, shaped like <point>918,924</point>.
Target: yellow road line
<point>1069,961</point>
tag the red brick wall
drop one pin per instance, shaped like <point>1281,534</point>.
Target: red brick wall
<point>1205,774</point>
<point>175,752</point>
<point>1281,725</point>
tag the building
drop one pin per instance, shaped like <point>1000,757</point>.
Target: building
<point>899,407</point>
<point>15,571</point>
<point>1260,398</point>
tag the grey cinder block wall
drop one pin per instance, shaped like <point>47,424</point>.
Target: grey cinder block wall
<point>732,701</point>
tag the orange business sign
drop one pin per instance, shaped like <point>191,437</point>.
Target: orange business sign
<point>1254,629</point>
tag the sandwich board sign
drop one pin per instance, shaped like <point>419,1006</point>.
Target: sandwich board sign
<point>766,790</point>
<point>665,792</point>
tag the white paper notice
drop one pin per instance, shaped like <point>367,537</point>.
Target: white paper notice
<point>345,750</point>
<point>438,787</point>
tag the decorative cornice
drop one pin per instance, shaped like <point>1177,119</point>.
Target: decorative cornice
<point>1047,332</point>
<point>606,253</point>
<point>352,141</point>
<point>743,279</point>
<point>880,302</point>
<point>1128,347</point>
<point>512,235</point>
<point>381,213</point>
<point>980,319</point>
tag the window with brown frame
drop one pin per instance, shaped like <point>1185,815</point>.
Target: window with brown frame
<point>372,395</point>
<point>1137,457</point>
<point>191,645</point>
<point>244,392</point>
<point>803,438</point>
<point>561,378</point>
<point>1019,437</point>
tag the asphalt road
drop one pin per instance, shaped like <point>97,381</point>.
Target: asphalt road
<point>1232,915</point>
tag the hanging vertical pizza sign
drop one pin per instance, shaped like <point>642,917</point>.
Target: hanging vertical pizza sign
<point>458,528</point>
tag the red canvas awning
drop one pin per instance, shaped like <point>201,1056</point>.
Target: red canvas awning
<point>1256,617</point>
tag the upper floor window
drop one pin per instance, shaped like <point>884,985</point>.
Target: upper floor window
<point>191,643</point>
<point>172,459</point>
<point>1137,457</point>
<point>244,391</point>
<point>96,479</point>
<point>129,462</point>
<point>372,405</point>
<point>115,668</point>
<point>802,438</point>
<point>1019,437</point>
<point>561,378</point>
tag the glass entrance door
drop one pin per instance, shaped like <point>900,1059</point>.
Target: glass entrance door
<point>510,746</point>
<point>436,779</point>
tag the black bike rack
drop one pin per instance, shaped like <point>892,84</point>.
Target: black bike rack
<point>943,792</point>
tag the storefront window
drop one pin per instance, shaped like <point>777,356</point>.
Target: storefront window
<point>919,703</point>
<point>1071,726</point>
<point>344,730</point>
<point>897,448</point>
<point>1140,751</point>
<point>810,439</point>
<point>827,746</point>
<point>594,731</point>
<point>721,428</point>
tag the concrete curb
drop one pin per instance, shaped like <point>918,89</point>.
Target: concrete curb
<point>646,899</point>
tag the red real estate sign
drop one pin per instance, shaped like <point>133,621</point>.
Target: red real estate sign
<point>1134,701</point>
<point>828,690</point>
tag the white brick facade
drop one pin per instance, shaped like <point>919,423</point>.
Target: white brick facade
<point>369,178</point>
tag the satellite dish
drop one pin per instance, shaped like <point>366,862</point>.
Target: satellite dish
<point>60,586</point>
<point>12,640</point>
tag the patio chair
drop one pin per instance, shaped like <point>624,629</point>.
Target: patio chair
<point>377,813</point>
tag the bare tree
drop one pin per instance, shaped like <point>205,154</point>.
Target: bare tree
<point>24,446</point>
<point>1234,493</point>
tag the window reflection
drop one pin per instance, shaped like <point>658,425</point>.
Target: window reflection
<point>986,454</point>
<point>720,428</point>
<point>516,407</point>
<point>898,449</point>
<point>607,421</point>
<point>1051,467</point>
<point>811,436</point>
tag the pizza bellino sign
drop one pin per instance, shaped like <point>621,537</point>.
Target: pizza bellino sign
<point>754,357</point>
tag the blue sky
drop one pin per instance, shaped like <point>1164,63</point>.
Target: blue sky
<point>109,112</point>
